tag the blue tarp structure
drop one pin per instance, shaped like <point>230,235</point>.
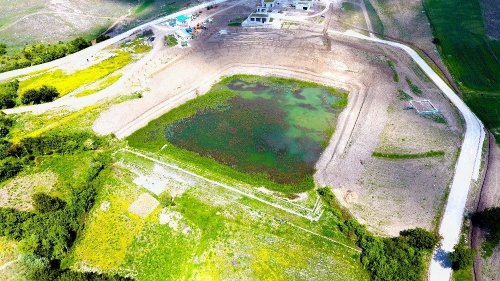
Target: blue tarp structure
<point>182,18</point>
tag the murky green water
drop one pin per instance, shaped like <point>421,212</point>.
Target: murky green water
<point>270,127</point>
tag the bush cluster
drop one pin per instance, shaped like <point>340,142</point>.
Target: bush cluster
<point>489,220</point>
<point>42,95</point>
<point>462,256</point>
<point>40,53</point>
<point>8,94</point>
<point>48,234</point>
<point>15,156</point>
<point>397,258</point>
<point>5,125</point>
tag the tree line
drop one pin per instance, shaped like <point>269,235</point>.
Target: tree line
<point>9,95</point>
<point>39,53</point>
<point>15,156</point>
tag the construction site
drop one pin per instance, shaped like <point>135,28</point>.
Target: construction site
<point>391,154</point>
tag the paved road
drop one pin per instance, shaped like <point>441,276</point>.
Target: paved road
<point>466,170</point>
<point>92,50</point>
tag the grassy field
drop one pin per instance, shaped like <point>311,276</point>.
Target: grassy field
<point>66,83</point>
<point>471,57</point>
<point>220,236</point>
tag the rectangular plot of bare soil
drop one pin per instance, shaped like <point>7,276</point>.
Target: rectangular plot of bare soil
<point>144,205</point>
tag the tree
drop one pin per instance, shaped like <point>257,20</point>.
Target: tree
<point>421,239</point>
<point>43,95</point>
<point>79,44</point>
<point>44,203</point>
<point>8,94</point>
<point>30,96</point>
<point>462,256</point>
<point>48,93</point>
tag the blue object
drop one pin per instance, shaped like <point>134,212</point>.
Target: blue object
<point>189,30</point>
<point>182,18</point>
<point>172,23</point>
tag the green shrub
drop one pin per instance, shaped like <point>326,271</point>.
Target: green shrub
<point>55,143</point>
<point>8,94</point>
<point>5,125</point>
<point>421,239</point>
<point>462,256</point>
<point>17,155</point>
<point>395,75</point>
<point>9,167</point>
<point>170,40</point>
<point>44,203</point>
<point>414,88</point>
<point>489,221</point>
<point>42,95</point>
<point>402,95</point>
<point>166,199</point>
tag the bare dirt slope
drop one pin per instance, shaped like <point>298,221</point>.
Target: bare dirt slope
<point>490,197</point>
<point>28,21</point>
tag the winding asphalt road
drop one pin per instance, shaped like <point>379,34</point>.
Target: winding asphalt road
<point>466,169</point>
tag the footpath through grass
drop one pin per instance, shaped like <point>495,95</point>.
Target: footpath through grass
<point>470,55</point>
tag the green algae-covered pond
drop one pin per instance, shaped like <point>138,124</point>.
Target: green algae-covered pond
<point>266,127</point>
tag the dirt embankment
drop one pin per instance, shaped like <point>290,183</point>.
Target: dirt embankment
<point>487,269</point>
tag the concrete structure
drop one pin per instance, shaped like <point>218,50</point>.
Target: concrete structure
<point>424,107</point>
<point>258,18</point>
<point>261,17</point>
<point>304,5</point>
<point>268,3</point>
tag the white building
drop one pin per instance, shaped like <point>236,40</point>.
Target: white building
<point>257,18</point>
<point>304,5</point>
<point>268,3</point>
